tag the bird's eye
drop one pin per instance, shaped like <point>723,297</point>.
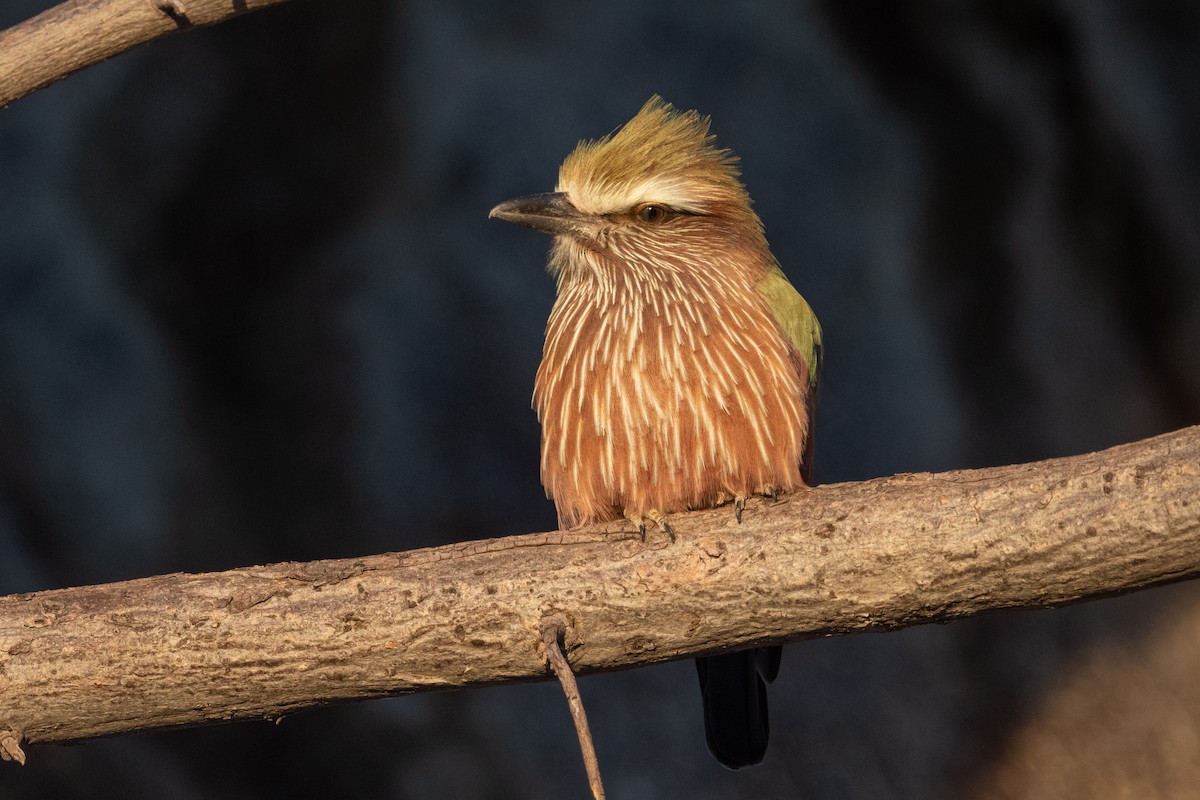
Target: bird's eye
<point>652,212</point>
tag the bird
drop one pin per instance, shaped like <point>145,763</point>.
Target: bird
<point>680,366</point>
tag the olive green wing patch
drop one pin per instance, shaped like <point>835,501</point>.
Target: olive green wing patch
<point>797,319</point>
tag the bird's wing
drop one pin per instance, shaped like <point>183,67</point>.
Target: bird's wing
<point>798,321</point>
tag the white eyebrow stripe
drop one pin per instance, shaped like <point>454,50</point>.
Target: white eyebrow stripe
<point>601,199</point>
<point>667,190</point>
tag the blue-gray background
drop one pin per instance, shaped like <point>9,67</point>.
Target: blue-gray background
<point>251,310</point>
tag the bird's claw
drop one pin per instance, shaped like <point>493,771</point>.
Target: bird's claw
<point>739,505</point>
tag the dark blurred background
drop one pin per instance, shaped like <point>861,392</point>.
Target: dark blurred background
<point>252,310</point>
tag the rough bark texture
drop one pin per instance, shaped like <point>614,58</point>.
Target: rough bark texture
<point>263,641</point>
<point>76,34</point>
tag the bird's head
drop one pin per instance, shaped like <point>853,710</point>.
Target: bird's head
<point>658,194</point>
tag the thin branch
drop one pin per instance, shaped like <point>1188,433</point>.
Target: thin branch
<point>70,36</point>
<point>259,642</point>
<point>554,631</point>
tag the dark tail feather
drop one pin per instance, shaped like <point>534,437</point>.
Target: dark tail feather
<point>734,688</point>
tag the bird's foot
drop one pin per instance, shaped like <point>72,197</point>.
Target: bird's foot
<point>658,519</point>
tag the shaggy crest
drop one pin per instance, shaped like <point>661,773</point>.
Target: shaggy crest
<point>661,155</point>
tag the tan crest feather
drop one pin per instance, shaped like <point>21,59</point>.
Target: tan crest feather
<point>661,155</point>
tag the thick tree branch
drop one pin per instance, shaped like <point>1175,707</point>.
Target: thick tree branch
<point>887,553</point>
<point>78,33</point>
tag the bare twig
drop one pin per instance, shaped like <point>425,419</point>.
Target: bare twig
<point>554,629</point>
<point>78,33</point>
<point>259,642</point>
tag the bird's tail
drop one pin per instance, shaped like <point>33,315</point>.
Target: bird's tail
<point>734,687</point>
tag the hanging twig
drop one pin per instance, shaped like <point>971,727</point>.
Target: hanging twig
<point>554,629</point>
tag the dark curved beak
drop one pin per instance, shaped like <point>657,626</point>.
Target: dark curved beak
<point>549,213</point>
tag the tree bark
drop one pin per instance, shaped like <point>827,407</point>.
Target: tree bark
<point>76,34</point>
<point>259,642</point>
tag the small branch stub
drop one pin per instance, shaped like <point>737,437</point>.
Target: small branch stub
<point>175,9</point>
<point>10,747</point>
<point>554,629</point>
